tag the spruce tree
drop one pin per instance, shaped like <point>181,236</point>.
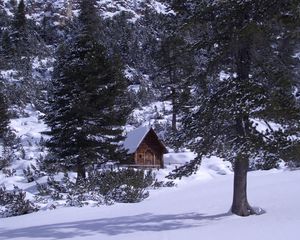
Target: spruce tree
<point>244,40</point>
<point>19,35</point>
<point>176,66</point>
<point>88,105</point>
<point>4,129</point>
<point>4,120</point>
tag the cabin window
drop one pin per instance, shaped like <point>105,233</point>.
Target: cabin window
<point>140,156</point>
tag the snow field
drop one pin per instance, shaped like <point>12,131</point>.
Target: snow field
<point>196,209</point>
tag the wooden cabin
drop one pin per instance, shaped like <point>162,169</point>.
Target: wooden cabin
<point>144,148</point>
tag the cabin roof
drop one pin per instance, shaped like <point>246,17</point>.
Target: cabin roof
<point>136,137</point>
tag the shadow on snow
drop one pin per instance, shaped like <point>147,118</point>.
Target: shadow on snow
<point>112,226</point>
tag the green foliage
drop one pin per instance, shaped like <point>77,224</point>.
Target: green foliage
<point>20,18</point>
<point>19,38</point>
<point>55,189</point>
<point>7,171</point>
<point>266,162</point>
<point>14,203</point>
<point>144,96</point>
<point>88,102</point>
<point>32,173</point>
<point>88,18</point>
<point>102,187</point>
<point>124,185</point>
<point>20,45</point>
<point>291,155</point>
<point>241,39</point>
<point>4,120</point>
<point>160,184</point>
<point>6,136</point>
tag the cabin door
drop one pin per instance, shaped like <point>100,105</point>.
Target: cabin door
<point>149,158</point>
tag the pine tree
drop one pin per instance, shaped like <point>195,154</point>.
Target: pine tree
<point>4,39</point>
<point>4,130</point>
<point>242,39</point>
<point>4,50</point>
<point>19,35</point>
<point>15,54</point>
<point>88,107</point>
<point>176,66</point>
<point>4,120</point>
<point>48,32</point>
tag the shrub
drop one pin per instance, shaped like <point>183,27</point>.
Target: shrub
<point>102,187</point>
<point>32,173</point>
<point>9,172</point>
<point>124,185</point>
<point>13,203</point>
<point>54,188</point>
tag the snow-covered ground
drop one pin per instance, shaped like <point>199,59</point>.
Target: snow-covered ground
<point>196,209</point>
<point>29,131</point>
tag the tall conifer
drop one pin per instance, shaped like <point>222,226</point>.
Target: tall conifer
<point>88,107</point>
<point>19,34</point>
<point>250,77</point>
<point>3,117</point>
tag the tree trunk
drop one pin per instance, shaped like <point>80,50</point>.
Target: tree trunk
<point>175,110</point>
<point>240,205</point>
<point>81,175</point>
<point>174,120</point>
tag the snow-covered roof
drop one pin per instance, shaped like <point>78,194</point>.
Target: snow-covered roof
<point>135,137</point>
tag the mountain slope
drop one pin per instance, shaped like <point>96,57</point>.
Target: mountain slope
<point>67,9</point>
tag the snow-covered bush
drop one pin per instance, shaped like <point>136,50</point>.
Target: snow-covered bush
<point>291,156</point>
<point>159,184</point>
<point>293,165</point>
<point>80,193</point>
<point>43,189</point>
<point>28,174</point>
<point>74,194</point>
<point>100,187</point>
<point>13,203</point>
<point>4,162</point>
<point>8,172</point>
<point>124,185</point>
<point>266,162</point>
<point>76,200</point>
<point>54,188</point>
<point>7,157</point>
<point>32,173</point>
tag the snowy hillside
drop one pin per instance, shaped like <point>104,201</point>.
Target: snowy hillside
<point>196,209</point>
<point>28,131</point>
<point>67,9</point>
<point>134,7</point>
